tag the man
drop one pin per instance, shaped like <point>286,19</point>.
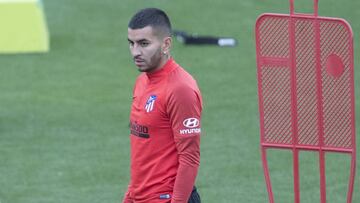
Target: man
<point>165,117</point>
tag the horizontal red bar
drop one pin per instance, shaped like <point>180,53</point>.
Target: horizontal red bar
<point>275,61</point>
<point>306,147</point>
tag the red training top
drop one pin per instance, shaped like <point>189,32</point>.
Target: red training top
<point>165,136</point>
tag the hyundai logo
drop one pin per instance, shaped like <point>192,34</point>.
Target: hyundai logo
<point>191,122</point>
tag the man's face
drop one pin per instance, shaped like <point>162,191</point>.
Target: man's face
<point>145,48</point>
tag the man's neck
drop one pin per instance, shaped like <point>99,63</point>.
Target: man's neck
<point>162,63</point>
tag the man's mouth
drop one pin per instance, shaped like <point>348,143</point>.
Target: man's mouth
<point>139,62</point>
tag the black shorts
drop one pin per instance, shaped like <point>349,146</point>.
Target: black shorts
<point>194,197</point>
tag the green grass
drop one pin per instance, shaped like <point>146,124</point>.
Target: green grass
<point>64,115</point>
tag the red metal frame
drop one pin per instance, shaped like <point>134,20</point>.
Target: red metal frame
<point>303,105</point>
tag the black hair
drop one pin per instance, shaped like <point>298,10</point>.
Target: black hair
<point>153,17</point>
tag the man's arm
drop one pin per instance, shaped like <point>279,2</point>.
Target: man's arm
<point>184,109</point>
<point>189,160</point>
<point>126,198</point>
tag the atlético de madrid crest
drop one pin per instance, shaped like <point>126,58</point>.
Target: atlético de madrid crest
<point>149,106</point>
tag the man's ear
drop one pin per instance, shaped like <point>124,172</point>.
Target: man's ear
<point>166,45</point>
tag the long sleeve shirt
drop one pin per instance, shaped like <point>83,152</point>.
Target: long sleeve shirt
<point>165,136</point>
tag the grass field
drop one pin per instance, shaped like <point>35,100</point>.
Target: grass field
<point>64,115</point>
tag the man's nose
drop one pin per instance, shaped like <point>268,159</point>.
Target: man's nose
<point>135,51</point>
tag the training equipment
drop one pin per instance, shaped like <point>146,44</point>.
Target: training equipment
<point>306,89</point>
<point>192,39</point>
<point>23,27</point>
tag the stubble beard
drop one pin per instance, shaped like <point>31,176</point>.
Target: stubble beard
<point>153,63</point>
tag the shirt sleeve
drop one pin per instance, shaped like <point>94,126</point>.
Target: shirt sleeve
<point>184,109</point>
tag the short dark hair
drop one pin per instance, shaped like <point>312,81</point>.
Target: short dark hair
<point>152,17</point>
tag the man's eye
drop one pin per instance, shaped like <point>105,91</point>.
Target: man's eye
<point>144,44</point>
<point>131,43</point>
